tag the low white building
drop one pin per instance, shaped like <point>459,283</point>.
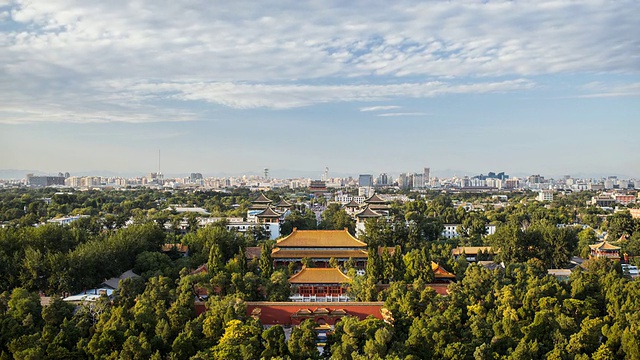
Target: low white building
<point>545,195</point>
<point>451,230</point>
<point>67,219</point>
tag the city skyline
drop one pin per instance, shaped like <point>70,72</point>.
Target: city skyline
<point>549,87</point>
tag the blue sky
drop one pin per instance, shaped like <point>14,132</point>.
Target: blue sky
<point>550,87</point>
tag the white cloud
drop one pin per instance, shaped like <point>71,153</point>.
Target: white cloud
<point>247,96</point>
<point>90,57</point>
<point>599,89</point>
<point>380,108</point>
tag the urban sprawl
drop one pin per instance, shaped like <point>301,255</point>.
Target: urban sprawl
<point>367,267</point>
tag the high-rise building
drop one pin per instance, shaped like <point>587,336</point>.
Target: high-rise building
<point>382,180</point>
<point>403,181</point>
<point>365,180</point>
<point>417,181</point>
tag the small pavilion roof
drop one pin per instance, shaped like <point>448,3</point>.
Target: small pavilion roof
<point>319,276</point>
<point>320,238</point>
<point>269,212</point>
<point>200,269</point>
<point>262,200</point>
<point>352,204</point>
<point>440,272</point>
<point>605,245</point>
<point>283,204</point>
<point>375,199</point>
<point>368,213</point>
<point>253,252</point>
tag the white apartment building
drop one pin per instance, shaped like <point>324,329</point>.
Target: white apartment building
<point>545,195</point>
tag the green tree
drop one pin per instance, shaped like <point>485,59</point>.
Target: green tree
<point>266,262</point>
<point>336,218</point>
<point>418,266</point>
<point>240,341</point>
<point>274,343</point>
<point>302,344</point>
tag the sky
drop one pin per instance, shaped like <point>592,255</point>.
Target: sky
<point>541,86</point>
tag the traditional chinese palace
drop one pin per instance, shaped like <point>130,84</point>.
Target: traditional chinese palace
<point>605,249</point>
<point>319,246</point>
<point>319,284</point>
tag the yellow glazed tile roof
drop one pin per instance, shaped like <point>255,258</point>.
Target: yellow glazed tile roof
<point>604,246</point>
<point>320,238</point>
<point>440,272</point>
<point>318,254</point>
<point>470,250</point>
<point>319,276</point>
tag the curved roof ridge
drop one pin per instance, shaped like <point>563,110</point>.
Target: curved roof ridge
<point>319,276</point>
<point>368,212</point>
<point>320,238</point>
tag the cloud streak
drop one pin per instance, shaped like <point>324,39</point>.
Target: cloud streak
<point>380,108</point>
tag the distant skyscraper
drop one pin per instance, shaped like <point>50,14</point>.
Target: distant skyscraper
<point>403,181</point>
<point>426,173</point>
<point>365,180</point>
<point>383,180</point>
<point>417,181</point>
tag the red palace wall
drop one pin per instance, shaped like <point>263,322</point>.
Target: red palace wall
<point>280,313</point>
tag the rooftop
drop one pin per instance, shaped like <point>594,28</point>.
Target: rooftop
<point>320,238</point>
<point>470,250</point>
<point>285,253</point>
<point>368,213</point>
<point>605,245</point>
<point>319,276</point>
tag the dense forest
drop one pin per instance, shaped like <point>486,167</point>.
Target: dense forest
<point>515,312</point>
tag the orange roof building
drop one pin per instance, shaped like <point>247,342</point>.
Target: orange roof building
<point>605,249</point>
<point>329,313</point>
<point>471,252</point>
<point>441,274</point>
<point>319,276</point>
<point>319,284</point>
<point>319,246</point>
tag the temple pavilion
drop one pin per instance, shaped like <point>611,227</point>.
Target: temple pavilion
<point>363,216</point>
<point>378,204</point>
<point>264,211</point>
<point>319,284</point>
<point>605,249</point>
<point>319,246</point>
<point>374,207</point>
